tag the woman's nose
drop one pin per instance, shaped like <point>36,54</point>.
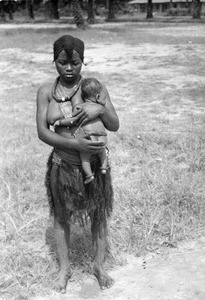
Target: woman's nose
<point>69,67</point>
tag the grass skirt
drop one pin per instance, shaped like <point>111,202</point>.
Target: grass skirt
<point>77,200</point>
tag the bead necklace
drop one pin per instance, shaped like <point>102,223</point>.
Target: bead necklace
<point>62,90</point>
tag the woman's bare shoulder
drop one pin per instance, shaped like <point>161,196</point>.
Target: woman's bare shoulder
<point>45,90</point>
<point>46,87</point>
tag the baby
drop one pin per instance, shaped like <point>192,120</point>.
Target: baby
<point>92,91</point>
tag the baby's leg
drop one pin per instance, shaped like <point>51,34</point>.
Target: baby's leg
<point>103,155</point>
<point>85,159</point>
<point>103,160</point>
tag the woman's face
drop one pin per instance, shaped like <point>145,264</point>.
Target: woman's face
<point>68,68</point>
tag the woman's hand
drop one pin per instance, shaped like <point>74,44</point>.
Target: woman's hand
<point>86,112</point>
<point>89,111</point>
<point>84,144</point>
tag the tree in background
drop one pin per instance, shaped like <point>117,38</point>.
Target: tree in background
<point>29,7</point>
<point>54,9</point>
<point>7,7</point>
<point>78,14</point>
<point>196,9</point>
<point>90,10</point>
<point>149,9</point>
<point>111,9</point>
<point>2,11</point>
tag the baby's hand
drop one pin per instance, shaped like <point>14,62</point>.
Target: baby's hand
<point>57,123</point>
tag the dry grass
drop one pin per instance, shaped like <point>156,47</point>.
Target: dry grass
<point>158,155</point>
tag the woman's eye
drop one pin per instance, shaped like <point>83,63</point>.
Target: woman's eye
<point>75,62</point>
<point>62,62</point>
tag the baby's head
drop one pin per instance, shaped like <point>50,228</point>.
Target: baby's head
<point>92,90</point>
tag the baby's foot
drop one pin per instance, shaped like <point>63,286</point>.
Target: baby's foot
<point>103,170</point>
<point>89,179</point>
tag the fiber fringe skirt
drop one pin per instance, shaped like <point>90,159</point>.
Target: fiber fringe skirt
<point>65,181</point>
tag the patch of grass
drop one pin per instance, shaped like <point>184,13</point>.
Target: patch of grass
<point>159,190</point>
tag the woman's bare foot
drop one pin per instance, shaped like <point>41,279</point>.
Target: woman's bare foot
<point>104,280</point>
<point>61,281</point>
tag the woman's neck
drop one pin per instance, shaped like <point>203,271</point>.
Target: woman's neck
<point>69,83</point>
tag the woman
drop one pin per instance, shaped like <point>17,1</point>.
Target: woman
<point>69,198</point>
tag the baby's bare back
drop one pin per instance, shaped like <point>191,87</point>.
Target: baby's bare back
<point>95,125</point>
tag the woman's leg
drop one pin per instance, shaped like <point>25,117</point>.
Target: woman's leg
<point>99,234</point>
<point>62,237</point>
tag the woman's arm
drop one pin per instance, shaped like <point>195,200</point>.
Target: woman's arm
<point>53,139</point>
<point>107,113</point>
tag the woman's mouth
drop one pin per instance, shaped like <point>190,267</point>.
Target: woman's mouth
<point>69,75</point>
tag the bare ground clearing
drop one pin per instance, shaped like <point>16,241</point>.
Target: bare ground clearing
<point>160,75</point>
<point>176,274</point>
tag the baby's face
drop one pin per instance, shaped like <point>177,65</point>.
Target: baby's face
<point>98,98</point>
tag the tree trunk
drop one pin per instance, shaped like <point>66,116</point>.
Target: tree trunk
<point>196,9</point>
<point>29,6</point>
<point>82,5</point>
<point>10,5</point>
<point>2,12</point>
<point>111,10</point>
<point>90,9</point>
<point>149,9</point>
<point>78,14</point>
<point>54,9</point>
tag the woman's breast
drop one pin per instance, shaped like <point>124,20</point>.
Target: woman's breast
<point>54,112</point>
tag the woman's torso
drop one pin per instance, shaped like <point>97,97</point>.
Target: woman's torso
<point>54,113</point>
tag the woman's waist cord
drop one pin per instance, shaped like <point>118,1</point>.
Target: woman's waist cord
<point>72,157</point>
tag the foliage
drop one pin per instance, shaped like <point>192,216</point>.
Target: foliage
<point>78,14</point>
<point>178,11</point>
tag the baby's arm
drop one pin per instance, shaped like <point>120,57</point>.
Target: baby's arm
<point>65,122</point>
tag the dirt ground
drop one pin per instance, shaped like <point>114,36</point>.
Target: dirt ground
<point>173,274</point>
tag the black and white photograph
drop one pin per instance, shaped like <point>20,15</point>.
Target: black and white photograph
<point>102,165</point>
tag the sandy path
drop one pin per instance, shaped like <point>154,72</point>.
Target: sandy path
<point>175,274</point>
